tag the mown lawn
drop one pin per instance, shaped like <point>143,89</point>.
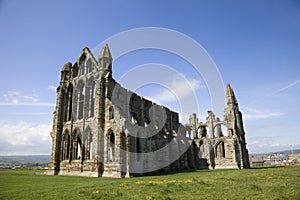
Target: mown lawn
<point>260,183</point>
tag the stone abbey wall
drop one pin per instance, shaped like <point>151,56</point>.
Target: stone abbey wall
<point>102,129</point>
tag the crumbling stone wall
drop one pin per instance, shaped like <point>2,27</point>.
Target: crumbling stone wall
<point>102,129</point>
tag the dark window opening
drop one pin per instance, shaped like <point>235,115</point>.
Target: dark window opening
<point>70,98</point>
<point>89,66</point>
<point>111,112</point>
<point>66,143</point>
<point>87,148</point>
<point>111,150</point>
<point>79,148</point>
<point>220,151</point>
<point>81,102</point>
<point>92,108</point>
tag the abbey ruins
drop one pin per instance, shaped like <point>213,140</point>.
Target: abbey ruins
<point>102,129</point>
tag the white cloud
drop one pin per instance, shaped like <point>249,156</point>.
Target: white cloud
<point>14,98</point>
<point>177,87</point>
<point>52,88</point>
<point>251,113</point>
<point>24,138</point>
<point>268,144</point>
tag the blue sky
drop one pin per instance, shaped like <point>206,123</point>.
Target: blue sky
<point>255,45</point>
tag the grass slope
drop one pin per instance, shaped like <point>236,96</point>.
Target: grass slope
<point>261,183</point>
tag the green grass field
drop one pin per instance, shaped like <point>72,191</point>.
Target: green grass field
<point>260,183</point>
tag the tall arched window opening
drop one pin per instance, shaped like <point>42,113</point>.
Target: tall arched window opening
<point>88,66</point>
<point>111,147</point>
<point>220,150</point>
<point>93,95</point>
<point>90,154</point>
<point>70,98</point>
<point>82,64</point>
<point>83,67</point>
<point>138,146</point>
<point>79,147</point>
<point>111,112</point>
<point>88,144</point>
<point>81,101</point>
<point>66,143</point>
<point>75,145</point>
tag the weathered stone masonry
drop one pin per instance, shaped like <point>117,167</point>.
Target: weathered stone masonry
<point>101,129</point>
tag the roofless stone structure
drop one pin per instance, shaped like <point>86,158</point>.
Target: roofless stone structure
<point>101,129</point>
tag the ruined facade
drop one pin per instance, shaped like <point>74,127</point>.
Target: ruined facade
<point>101,129</point>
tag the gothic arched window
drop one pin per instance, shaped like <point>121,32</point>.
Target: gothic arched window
<point>111,146</point>
<point>69,105</point>
<point>88,66</point>
<point>81,101</point>
<point>88,144</point>
<point>93,95</point>
<point>82,65</point>
<point>220,150</point>
<point>111,112</point>
<point>79,147</point>
<point>66,143</point>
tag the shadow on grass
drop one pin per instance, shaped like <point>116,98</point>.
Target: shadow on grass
<point>267,167</point>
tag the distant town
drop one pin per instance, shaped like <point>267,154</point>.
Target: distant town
<point>282,158</point>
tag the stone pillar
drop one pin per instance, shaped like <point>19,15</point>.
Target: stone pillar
<point>127,138</point>
<point>57,131</point>
<point>210,124</point>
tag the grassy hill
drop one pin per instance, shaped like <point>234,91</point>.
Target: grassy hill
<point>259,183</point>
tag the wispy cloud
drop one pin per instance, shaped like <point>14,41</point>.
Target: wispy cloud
<point>251,113</point>
<point>14,98</point>
<point>27,104</point>
<point>289,85</point>
<point>178,87</point>
<point>24,138</point>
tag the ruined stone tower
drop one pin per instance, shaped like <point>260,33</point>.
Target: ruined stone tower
<point>222,143</point>
<point>101,129</point>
